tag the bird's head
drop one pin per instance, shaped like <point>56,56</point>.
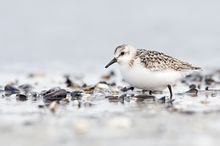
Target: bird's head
<point>123,54</point>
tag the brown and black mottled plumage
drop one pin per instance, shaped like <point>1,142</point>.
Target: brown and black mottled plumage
<point>157,61</point>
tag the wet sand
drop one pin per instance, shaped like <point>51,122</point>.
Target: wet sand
<point>44,108</point>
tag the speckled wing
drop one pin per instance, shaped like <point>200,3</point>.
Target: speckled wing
<point>157,61</point>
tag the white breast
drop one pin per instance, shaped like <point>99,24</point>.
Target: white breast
<point>140,77</point>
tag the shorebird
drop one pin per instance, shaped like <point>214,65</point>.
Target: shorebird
<point>150,70</point>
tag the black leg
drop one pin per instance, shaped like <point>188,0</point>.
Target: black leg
<point>150,92</point>
<point>171,93</point>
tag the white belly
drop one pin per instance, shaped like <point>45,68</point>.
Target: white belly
<point>140,77</point>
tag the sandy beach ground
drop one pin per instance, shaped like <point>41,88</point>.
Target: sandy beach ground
<point>35,111</point>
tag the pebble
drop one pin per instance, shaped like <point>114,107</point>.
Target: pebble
<point>192,92</point>
<point>102,86</point>
<point>21,97</point>
<point>10,90</point>
<point>55,94</point>
<point>76,95</point>
<point>68,82</point>
<point>113,98</point>
<point>162,99</point>
<point>53,106</point>
<point>145,97</point>
<point>125,89</point>
<point>41,106</point>
<point>25,87</point>
<point>209,81</point>
<point>89,89</point>
<point>122,98</point>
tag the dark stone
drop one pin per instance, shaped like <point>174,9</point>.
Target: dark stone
<point>55,94</point>
<point>112,84</point>
<point>162,99</point>
<point>89,89</point>
<point>41,106</point>
<point>76,95</point>
<point>113,98</point>
<point>84,85</point>
<point>192,92</point>
<point>187,112</point>
<point>122,98</point>
<point>25,87</point>
<point>109,84</point>
<point>21,97</point>
<point>193,86</point>
<point>145,97</point>
<point>125,89</point>
<point>10,90</point>
<point>209,81</point>
<point>68,82</point>
<point>34,94</point>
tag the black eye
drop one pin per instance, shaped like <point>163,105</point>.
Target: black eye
<point>122,53</point>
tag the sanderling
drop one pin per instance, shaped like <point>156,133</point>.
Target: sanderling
<point>150,70</point>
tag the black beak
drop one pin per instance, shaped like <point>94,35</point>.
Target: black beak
<point>111,62</point>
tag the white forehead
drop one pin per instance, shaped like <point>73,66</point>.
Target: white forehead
<point>123,47</point>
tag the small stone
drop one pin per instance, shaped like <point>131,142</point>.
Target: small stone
<point>106,77</point>
<point>162,99</point>
<point>89,89</point>
<point>34,96</point>
<point>25,87</point>
<point>122,98</point>
<point>145,97</point>
<point>102,86</point>
<point>125,89</point>
<point>113,98</point>
<point>41,106</point>
<point>193,86</point>
<point>21,97</point>
<point>76,95</point>
<point>209,81</point>
<point>53,106</point>
<point>84,85</point>
<point>192,92</point>
<point>68,82</point>
<point>55,94</point>
<point>10,90</point>
<point>188,112</point>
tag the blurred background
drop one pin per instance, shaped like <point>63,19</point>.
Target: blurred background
<point>44,32</point>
